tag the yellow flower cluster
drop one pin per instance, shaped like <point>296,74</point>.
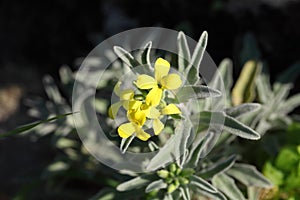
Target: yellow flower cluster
<point>151,106</point>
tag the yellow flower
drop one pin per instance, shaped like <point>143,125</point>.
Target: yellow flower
<point>137,116</point>
<point>126,96</point>
<point>156,114</point>
<point>163,80</point>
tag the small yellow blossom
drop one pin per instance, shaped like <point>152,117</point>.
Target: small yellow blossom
<point>148,107</point>
<point>136,114</point>
<point>156,114</point>
<point>163,80</point>
<point>126,96</point>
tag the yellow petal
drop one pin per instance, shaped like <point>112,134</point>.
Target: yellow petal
<point>132,105</point>
<point>171,81</point>
<point>127,94</point>
<point>113,109</point>
<point>117,88</point>
<point>137,116</point>
<point>170,109</point>
<point>158,126</point>
<point>154,96</point>
<point>161,68</point>
<point>126,130</point>
<point>142,135</point>
<point>154,113</point>
<point>145,82</point>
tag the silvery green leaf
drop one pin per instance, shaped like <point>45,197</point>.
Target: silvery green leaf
<point>281,93</point>
<point>254,193</point>
<point>248,175</point>
<point>211,195</point>
<point>264,88</point>
<point>202,184</point>
<point>209,142</point>
<point>152,146</point>
<point>184,55</point>
<point>195,149</point>
<point>222,121</point>
<point>227,186</point>
<point>223,76</point>
<point>219,166</point>
<point>52,90</point>
<point>242,109</point>
<point>156,185</point>
<point>145,56</point>
<point>289,75</point>
<point>125,143</point>
<point>173,148</point>
<point>135,183</point>
<point>125,56</point>
<point>196,92</point>
<point>192,70</point>
<point>66,75</point>
<point>28,127</point>
<point>185,192</point>
<point>289,105</point>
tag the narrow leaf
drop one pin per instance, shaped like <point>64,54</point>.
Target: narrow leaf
<point>145,56</point>
<point>248,175</point>
<point>135,183</point>
<point>184,55</point>
<point>28,127</point>
<point>242,109</point>
<point>185,192</point>
<point>125,143</point>
<point>126,57</point>
<point>173,149</point>
<point>222,121</point>
<point>220,166</point>
<point>202,184</point>
<point>156,185</point>
<point>292,103</point>
<point>196,92</point>
<point>227,186</point>
<point>193,68</point>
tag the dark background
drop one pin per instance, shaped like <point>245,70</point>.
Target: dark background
<point>37,37</point>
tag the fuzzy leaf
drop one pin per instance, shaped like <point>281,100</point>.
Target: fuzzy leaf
<point>185,192</point>
<point>202,184</point>
<point>173,149</point>
<point>156,185</point>
<point>222,121</point>
<point>126,57</point>
<point>135,183</point>
<point>125,143</point>
<point>242,109</point>
<point>248,175</point>
<point>145,56</point>
<point>184,55</point>
<point>218,167</point>
<point>196,92</point>
<point>28,127</point>
<point>192,70</point>
<point>292,103</point>
<point>227,186</point>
